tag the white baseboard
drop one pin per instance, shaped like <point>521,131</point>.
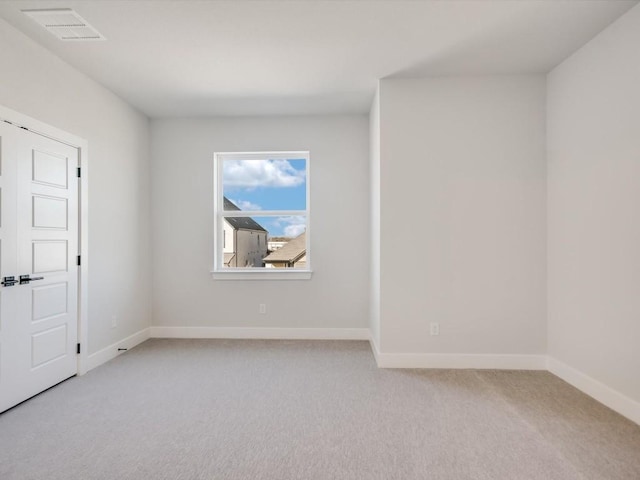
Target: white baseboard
<point>474,361</point>
<point>599,391</point>
<point>458,360</point>
<point>262,333</point>
<point>103,356</point>
<point>613,399</point>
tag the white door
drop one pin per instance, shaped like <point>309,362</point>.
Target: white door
<point>38,247</point>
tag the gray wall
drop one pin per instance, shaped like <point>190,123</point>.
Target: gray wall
<point>182,179</point>
<point>36,83</point>
<point>594,205</point>
<point>463,215</point>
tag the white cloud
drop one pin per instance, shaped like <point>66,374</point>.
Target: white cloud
<point>294,230</point>
<point>293,226</point>
<point>261,173</point>
<point>245,204</point>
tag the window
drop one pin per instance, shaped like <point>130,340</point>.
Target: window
<point>261,215</point>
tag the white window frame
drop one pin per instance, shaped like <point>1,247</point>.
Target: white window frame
<point>219,271</point>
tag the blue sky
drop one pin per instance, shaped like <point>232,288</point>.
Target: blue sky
<point>268,185</point>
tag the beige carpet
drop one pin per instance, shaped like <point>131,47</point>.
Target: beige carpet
<point>216,409</point>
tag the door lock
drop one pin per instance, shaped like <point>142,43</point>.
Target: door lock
<point>26,279</point>
<point>9,281</point>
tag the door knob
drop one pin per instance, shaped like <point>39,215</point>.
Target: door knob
<point>9,281</point>
<point>26,279</point>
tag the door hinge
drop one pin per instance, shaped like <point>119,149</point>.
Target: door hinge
<point>79,173</point>
<point>78,349</point>
<point>78,260</point>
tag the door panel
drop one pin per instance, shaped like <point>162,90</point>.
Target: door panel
<point>48,301</point>
<point>48,256</point>
<point>48,345</point>
<point>50,212</point>
<point>50,169</point>
<point>39,322</point>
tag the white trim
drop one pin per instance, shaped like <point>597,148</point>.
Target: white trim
<point>83,325</point>
<point>111,352</point>
<point>220,273</point>
<point>262,213</point>
<point>41,128</point>
<point>459,360</point>
<point>22,120</point>
<point>262,333</point>
<point>599,391</point>
<point>262,274</point>
<point>276,155</point>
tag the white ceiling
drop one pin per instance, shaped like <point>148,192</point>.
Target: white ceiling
<point>193,58</point>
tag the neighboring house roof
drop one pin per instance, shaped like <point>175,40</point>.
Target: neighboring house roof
<point>291,252</point>
<point>244,223</point>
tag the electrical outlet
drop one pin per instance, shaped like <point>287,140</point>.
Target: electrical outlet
<point>262,308</point>
<point>114,321</point>
<point>434,329</point>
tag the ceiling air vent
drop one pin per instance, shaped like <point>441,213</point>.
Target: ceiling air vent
<point>65,24</point>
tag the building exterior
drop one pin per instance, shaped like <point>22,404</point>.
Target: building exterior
<point>291,255</point>
<point>277,245</point>
<point>245,240</point>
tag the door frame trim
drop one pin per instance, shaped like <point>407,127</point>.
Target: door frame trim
<point>41,128</point>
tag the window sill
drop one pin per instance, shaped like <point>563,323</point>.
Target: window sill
<point>266,274</point>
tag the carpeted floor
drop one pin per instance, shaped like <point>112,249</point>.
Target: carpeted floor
<point>245,409</point>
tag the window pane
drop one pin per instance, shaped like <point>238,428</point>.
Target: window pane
<point>265,184</point>
<point>264,242</point>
